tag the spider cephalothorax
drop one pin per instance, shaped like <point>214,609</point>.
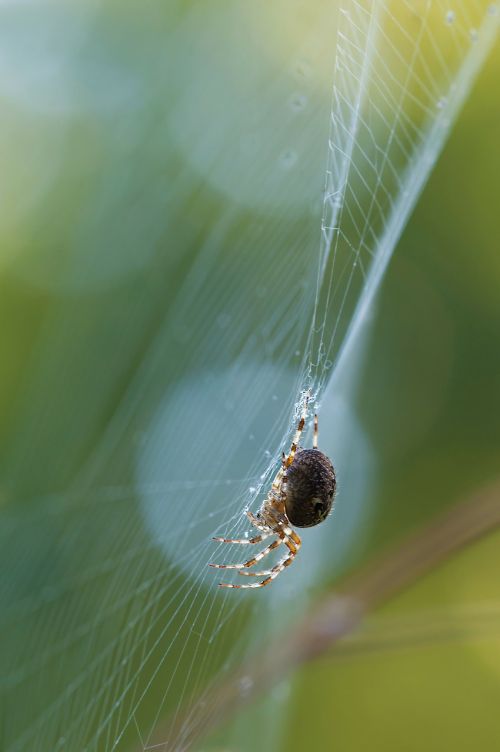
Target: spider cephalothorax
<point>301,494</point>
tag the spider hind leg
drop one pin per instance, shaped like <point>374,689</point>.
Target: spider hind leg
<point>285,535</point>
<point>251,562</point>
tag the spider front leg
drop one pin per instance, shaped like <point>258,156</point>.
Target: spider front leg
<point>297,435</point>
<point>280,479</point>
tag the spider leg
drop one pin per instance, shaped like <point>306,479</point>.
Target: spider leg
<point>266,532</point>
<point>292,541</point>
<point>295,443</point>
<point>269,574</point>
<point>244,541</point>
<point>251,562</point>
<point>287,461</point>
<point>278,567</point>
<point>315,434</point>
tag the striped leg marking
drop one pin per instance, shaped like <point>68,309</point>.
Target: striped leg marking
<point>244,541</point>
<point>287,461</point>
<point>251,562</point>
<point>274,571</point>
<point>293,544</point>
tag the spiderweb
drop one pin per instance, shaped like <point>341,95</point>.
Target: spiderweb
<point>211,279</point>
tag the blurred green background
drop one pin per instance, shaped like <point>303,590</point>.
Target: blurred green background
<point>135,287</point>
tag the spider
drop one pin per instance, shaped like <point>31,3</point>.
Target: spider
<point>301,494</point>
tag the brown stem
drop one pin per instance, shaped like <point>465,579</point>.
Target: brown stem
<point>339,613</point>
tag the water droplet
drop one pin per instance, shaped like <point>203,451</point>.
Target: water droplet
<point>297,353</point>
<point>441,103</point>
<point>251,436</point>
<point>245,685</point>
<point>288,159</point>
<point>252,489</point>
<point>245,535</point>
<point>302,69</point>
<point>267,453</point>
<point>450,17</point>
<point>473,34</point>
<point>274,397</point>
<point>493,9</point>
<point>298,101</point>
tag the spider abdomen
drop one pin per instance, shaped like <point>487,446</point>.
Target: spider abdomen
<point>310,488</point>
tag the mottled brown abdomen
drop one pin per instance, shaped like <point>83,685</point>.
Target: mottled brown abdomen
<point>310,488</point>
